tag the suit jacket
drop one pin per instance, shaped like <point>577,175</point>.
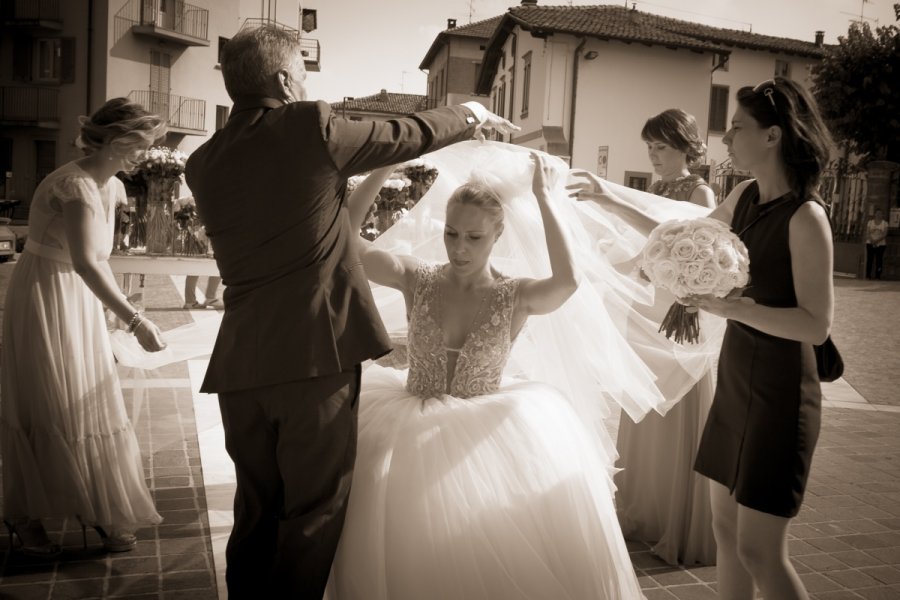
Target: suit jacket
<point>270,190</point>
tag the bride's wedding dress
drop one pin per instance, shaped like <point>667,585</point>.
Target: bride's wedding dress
<point>471,487</point>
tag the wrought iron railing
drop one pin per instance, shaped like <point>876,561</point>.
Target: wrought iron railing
<point>180,112</point>
<point>726,177</point>
<point>174,15</point>
<point>29,104</point>
<point>845,193</point>
<point>308,46</point>
<point>31,10</point>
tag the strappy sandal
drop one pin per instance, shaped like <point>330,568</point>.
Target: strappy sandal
<point>32,538</point>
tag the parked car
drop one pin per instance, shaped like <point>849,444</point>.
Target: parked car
<point>7,240</point>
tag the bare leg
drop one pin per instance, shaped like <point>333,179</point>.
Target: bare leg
<point>734,582</point>
<point>190,289</point>
<point>762,547</point>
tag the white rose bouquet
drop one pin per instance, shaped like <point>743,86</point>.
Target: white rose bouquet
<point>693,257</point>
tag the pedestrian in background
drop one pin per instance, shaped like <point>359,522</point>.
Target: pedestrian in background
<point>876,242</point>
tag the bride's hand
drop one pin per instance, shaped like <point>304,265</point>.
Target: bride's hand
<point>545,177</point>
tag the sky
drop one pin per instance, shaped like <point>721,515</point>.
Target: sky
<point>369,45</point>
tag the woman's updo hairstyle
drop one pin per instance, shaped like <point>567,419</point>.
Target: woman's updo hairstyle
<point>677,129</point>
<point>121,124</point>
<point>479,194</point>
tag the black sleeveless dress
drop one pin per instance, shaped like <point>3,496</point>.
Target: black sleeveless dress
<point>764,422</point>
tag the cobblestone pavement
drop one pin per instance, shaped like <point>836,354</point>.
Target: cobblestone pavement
<point>845,542</point>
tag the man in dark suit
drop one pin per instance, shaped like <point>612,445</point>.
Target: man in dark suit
<point>299,315</point>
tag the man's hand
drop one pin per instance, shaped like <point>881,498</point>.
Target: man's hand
<point>495,123</point>
<point>489,121</point>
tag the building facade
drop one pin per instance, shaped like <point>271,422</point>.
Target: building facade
<point>379,107</point>
<point>581,80</point>
<point>60,59</point>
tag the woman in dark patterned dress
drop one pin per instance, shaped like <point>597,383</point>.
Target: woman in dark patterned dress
<point>762,428</point>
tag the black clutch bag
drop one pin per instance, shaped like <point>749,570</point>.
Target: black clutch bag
<point>828,361</point>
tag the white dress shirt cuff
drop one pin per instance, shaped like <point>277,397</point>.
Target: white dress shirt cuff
<point>478,109</point>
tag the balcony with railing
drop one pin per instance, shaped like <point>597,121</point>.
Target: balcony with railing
<point>184,115</point>
<point>36,14</point>
<point>29,106</point>
<point>170,20</point>
<point>308,46</point>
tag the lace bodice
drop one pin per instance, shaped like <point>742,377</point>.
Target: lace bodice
<point>46,227</point>
<point>677,189</point>
<point>484,352</point>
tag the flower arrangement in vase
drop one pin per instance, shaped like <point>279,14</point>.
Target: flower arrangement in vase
<point>407,185</point>
<point>162,168</point>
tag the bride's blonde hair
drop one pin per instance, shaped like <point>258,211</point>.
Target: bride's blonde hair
<point>121,124</point>
<point>480,194</point>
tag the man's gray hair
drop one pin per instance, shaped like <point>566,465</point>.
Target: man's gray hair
<point>254,55</point>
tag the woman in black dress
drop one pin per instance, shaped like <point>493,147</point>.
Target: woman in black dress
<point>758,442</point>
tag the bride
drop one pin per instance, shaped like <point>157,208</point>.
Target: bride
<point>469,485</point>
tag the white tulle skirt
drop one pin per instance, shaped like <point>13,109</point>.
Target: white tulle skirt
<point>67,442</point>
<point>499,496</point>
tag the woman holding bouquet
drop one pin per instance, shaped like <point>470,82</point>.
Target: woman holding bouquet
<point>659,499</point>
<point>762,428</point>
<point>68,447</point>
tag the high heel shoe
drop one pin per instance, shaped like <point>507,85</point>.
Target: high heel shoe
<point>118,540</point>
<point>32,539</point>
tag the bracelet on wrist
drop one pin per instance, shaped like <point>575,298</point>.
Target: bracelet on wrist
<point>136,319</point>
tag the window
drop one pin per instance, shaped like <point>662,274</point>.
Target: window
<point>526,83</point>
<point>44,158</point>
<point>222,41</point>
<point>221,116</point>
<point>718,108</point>
<point>637,180</point>
<point>722,61</point>
<point>501,98</point>
<point>47,59</point>
<point>782,68</point>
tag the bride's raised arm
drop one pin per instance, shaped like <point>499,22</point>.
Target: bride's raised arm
<point>541,296</point>
<point>384,268</point>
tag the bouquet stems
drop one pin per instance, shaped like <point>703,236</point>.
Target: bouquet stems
<point>682,324</point>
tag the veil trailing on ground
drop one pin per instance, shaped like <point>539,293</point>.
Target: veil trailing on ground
<point>601,348</point>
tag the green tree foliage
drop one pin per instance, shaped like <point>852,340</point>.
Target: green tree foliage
<point>857,87</point>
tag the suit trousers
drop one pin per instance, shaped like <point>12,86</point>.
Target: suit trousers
<point>294,448</point>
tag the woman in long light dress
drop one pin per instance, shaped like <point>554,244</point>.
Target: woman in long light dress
<point>659,497</point>
<point>69,449</point>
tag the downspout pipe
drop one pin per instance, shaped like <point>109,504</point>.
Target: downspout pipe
<point>578,50</point>
<point>90,58</point>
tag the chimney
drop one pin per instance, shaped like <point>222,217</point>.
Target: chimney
<point>529,2</point>
<point>451,23</point>
<point>382,95</point>
<point>820,38</point>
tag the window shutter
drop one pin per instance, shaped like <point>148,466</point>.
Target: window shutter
<point>67,66</point>
<point>22,50</point>
<point>718,108</point>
